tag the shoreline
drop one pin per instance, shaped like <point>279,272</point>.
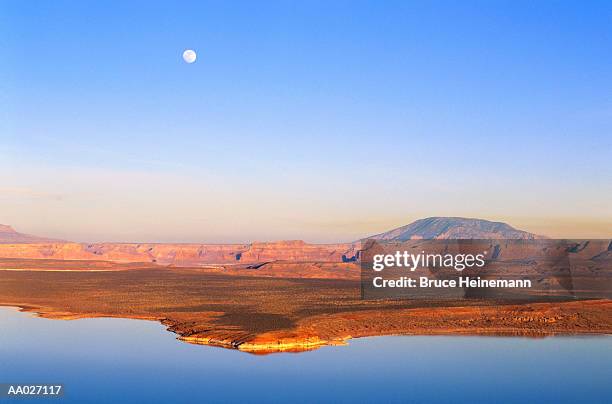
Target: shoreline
<point>305,343</point>
<point>265,314</point>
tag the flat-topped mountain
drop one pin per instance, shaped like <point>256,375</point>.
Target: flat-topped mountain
<point>454,228</point>
<point>14,245</point>
<point>8,235</point>
<point>23,246</point>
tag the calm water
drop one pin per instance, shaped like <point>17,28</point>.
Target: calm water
<point>116,360</point>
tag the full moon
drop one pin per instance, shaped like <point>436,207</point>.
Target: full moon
<point>189,56</point>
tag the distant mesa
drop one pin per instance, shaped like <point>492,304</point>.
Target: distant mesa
<point>426,229</point>
<point>451,228</point>
<point>15,245</point>
<point>8,235</point>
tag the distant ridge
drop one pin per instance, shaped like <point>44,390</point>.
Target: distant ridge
<point>429,228</point>
<point>455,228</point>
<point>8,235</point>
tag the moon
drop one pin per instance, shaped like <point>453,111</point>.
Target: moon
<point>189,56</point>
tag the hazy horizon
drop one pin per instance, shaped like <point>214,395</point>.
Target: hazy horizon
<point>320,122</point>
<point>237,240</point>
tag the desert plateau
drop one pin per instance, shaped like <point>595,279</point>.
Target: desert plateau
<point>274,297</point>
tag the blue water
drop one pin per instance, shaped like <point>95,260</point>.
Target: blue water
<point>118,360</point>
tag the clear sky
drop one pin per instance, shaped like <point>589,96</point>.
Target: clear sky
<point>315,120</point>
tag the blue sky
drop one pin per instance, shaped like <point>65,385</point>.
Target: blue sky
<point>323,121</point>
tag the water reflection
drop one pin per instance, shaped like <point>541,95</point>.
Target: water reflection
<point>120,360</point>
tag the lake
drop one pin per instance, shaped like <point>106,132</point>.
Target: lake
<point>122,360</point>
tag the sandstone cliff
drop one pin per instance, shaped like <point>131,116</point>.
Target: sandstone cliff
<point>184,254</point>
<point>22,246</point>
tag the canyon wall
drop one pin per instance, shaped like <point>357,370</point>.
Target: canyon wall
<point>184,254</point>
